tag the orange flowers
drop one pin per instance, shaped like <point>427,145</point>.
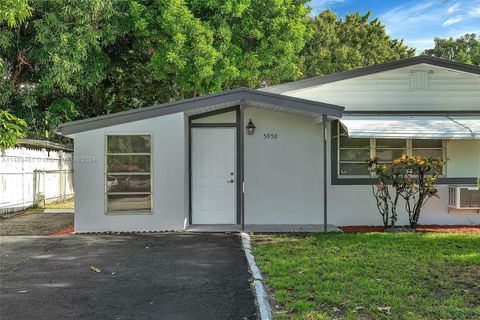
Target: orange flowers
<point>419,160</point>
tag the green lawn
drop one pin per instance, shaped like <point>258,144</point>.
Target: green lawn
<point>371,276</point>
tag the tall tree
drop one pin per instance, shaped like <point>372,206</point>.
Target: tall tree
<point>465,49</point>
<point>353,42</point>
<point>53,55</point>
<point>179,49</point>
<point>75,59</point>
<point>258,41</point>
<point>12,128</point>
<point>93,57</point>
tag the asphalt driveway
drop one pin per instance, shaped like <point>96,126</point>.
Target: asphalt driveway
<point>142,276</point>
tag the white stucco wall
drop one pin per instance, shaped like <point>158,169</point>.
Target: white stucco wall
<point>283,177</point>
<point>170,189</point>
<point>464,158</point>
<point>446,90</point>
<point>355,204</point>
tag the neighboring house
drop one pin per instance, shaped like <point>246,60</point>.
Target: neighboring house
<point>195,161</point>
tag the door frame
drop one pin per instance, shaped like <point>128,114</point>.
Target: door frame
<point>238,151</point>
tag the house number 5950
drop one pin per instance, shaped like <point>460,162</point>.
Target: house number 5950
<point>270,136</point>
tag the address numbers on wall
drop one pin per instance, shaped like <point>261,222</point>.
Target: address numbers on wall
<point>270,136</point>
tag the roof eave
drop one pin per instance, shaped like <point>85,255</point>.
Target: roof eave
<point>236,95</point>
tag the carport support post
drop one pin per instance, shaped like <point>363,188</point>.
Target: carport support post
<point>324,123</point>
<point>241,174</point>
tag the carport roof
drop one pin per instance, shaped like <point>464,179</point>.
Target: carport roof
<point>227,98</point>
<point>412,126</point>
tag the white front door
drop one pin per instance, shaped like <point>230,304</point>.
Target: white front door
<point>213,176</point>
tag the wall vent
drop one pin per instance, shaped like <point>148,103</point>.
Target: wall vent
<point>419,80</point>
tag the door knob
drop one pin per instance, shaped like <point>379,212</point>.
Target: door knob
<point>230,181</point>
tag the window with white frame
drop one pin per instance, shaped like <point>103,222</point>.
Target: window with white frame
<point>353,153</point>
<point>128,174</point>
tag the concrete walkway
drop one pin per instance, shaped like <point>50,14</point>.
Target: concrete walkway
<point>263,228</point>
<point>142,276</point>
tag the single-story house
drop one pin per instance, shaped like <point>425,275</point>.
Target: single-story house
<point>286,157</point>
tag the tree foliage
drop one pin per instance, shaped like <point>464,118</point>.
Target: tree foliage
<point>11,129</point>
<point>185,49</point>
<point>465,49</point>
<point>92,57</point>
<point>76,59</point>
<point>345,44</point>
<point>54,57</point>
<point>14,12</point>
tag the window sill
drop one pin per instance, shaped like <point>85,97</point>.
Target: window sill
<point>128,213</point>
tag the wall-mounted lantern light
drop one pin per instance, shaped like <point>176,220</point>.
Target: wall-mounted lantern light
<point>250,128</point>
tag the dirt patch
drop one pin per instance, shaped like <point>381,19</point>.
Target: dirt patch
<point>421,228</point>
<point>450,229</point>
<point>33,223</point>
<point>361,229</point>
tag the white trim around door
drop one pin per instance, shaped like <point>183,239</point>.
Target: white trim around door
<point>214,175</point>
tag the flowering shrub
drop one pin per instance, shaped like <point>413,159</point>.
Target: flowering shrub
<point>412,179</point>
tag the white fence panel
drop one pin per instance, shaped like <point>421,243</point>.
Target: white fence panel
<point>31,175</point>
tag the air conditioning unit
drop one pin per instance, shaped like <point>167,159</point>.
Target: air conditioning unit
<point>464,197</point>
